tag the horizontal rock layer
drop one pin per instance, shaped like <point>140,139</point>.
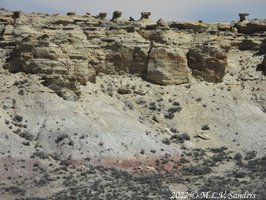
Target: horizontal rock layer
<point>73,49</point>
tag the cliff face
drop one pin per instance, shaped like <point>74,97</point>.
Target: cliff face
<point>75,49</point>
<point>77,91</point>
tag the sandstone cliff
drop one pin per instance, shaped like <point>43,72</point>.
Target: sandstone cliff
<point>174,101</point>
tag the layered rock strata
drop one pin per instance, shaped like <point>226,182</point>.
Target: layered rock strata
<point>72,49</point>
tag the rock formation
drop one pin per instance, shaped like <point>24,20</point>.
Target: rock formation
<point>167,66</point>
<point>71,13</point>
<point>92,108</point>
<point>195,26</point>
<point>116,15</point>
<point>242,16</point>
<point>77,48</point>
<point>102,15</point>
<point>16,14</point>
<point>207,63</point>
<point>162,24</point>
<point>264,64</point>
<point>145,15</point>
<point>253,26</point>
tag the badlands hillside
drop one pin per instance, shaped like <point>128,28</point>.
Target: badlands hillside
<point>99,108</point>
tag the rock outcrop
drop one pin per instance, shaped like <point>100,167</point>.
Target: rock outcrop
<point>262,49</point>
<point>145,15</point>
<point>117,16</point>
<point>167,66</point>
<point>207,63</point>
<point>126,58</point>
<point>253,26</point>
<point>75,49</point>
<point>195,26</point>
<point>136,97</point>
<point>102,15</point>
<point>249,44</point>
<point>242,16</point>
<point>59,59</point>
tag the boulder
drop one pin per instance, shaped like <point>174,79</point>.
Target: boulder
<point>71,13</point>
<point>249,44</point>
<point>162,24</point>
<point>145,15</point>
<point>9,29</point>
<point>2,28</point>
<point>123,90</point>
<point>16,14</point>
<point>207,63</point>
<point>225,44</point>
<point>167,66</point>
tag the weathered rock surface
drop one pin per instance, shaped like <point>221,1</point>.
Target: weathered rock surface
<point>207,63</point>
<point>167,66</point>
<point>124,58</point>
<point>175,137</point>
<point>262,49</point>
<point>60,59</point>
<point>195,26</point>
<point>253,26</point>
<point>249,44</point>
<point>242,16</point>
<point>73,50</point>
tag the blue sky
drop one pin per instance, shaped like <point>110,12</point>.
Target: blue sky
<point>206,10</point>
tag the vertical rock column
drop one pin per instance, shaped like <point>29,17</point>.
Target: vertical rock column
<point>242,16</point>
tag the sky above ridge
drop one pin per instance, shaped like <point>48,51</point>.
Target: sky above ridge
<point>206,10</point>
